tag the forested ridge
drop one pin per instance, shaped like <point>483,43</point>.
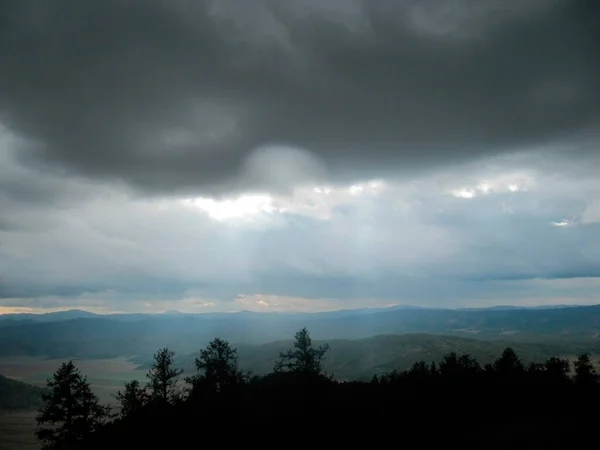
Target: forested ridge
<point>454,402</point>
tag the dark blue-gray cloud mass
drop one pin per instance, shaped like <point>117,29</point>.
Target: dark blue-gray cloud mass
<point>174,95</point>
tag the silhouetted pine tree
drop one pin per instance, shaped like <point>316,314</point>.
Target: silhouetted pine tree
<point>71,411</point>
<point>585,374</point>
<point>132,399</point>
<point>303,358</point>
<point>217,367</point>
<point>163,378</point>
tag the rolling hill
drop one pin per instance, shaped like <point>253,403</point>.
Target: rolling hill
<point>105,336</point>
<point>360,359</point>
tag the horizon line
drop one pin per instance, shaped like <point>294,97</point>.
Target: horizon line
<point>389,307</point>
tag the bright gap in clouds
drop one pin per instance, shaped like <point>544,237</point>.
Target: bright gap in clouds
<point>304,199</point>
<point>490,187</point>
<point>235,208</point>
<point>563,223</point>
<point>249,205</point>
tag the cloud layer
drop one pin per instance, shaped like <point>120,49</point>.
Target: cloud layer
<point>482,235</point>
<point>298,155</point>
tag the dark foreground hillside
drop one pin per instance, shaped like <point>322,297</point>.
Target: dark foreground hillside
<point>455,402</point>
<point>485,416</point>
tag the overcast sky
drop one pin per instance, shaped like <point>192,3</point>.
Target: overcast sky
<point>300,155</point>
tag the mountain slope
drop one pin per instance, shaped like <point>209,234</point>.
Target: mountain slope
<point>15,395</point>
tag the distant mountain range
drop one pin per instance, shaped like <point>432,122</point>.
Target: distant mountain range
<point>47,317</point>
<point>81,314</point>
<point>513,307</point>
<point>83,334</point>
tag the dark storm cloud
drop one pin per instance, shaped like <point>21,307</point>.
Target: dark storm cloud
<point>172,95</point>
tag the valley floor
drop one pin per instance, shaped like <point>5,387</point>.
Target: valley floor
<point>16,431</point>
<point>106,376</point>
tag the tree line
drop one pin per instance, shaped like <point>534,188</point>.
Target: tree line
<point>219,392</point>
